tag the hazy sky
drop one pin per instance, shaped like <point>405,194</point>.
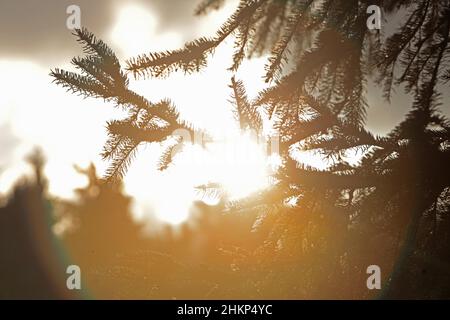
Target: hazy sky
<point>34,39</point>
<point>71,130</point>
<point>36,30</point>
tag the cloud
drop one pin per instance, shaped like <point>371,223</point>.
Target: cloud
<point>36,30</point>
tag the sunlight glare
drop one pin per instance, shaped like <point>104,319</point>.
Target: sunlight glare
<point>240,165</point>
<point>134,32</point>
<point>236,161</point>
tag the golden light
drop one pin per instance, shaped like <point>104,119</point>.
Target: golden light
<point>237,163</point>
<point>240,165</point>
<point>235,160</point>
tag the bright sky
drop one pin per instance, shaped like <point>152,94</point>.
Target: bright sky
<point>71,129</point>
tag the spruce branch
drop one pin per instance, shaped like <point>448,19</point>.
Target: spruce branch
<point>193,56</point>
<point>245,113</point>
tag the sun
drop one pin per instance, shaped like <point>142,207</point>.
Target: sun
<point>237,163</point>
<point>240,165</point>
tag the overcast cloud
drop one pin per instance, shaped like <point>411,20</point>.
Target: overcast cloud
<point>36,29</point>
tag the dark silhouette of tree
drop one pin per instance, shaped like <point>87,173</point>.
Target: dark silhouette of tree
<point>321,55</point>
<point>30,266</point>
<point>97,217</point>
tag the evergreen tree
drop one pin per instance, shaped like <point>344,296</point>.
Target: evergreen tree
<point>321,55</point>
